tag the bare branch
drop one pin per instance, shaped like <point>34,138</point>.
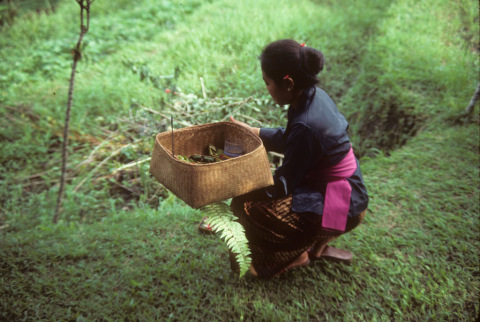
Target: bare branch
<point>131,164</point>
<point>245,101</point>
<point>77,55</point>
<point>88,15</point>
<point>251,119</point>
<point>469,109</point>
<point>81,18</point>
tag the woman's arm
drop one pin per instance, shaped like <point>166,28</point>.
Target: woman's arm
<point>255,130</point>
<point>302,154</point>
<point>272,138</point>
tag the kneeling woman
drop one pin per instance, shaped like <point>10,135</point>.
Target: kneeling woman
<point>318,192</point>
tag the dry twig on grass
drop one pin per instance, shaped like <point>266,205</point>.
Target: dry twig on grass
<point>115,153</point>
<point>469,109</point>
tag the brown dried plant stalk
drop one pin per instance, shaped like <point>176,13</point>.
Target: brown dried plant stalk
<point>77,55</point>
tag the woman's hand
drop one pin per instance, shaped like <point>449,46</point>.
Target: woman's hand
<point>255,130</point>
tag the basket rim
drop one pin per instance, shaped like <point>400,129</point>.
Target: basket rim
<point>257,138</point>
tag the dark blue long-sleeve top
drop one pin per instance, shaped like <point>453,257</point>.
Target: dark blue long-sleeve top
<point>315,137</point>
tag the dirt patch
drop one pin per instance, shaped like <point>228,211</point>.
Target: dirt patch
<point>386,125</point>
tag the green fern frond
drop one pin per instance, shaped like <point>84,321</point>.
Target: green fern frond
<point>221,219</point>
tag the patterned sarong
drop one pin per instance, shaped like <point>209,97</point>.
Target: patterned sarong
<point>277,235</point>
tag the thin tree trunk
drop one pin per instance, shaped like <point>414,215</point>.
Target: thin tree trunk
<point>65,142</point>
<point>77,55</point>
<point>469,110</point>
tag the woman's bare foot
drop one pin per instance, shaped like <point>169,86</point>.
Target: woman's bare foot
<point>319,246</point>
<point>321,250</point>
<point>253,271</point>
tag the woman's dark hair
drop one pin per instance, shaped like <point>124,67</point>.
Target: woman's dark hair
<point>288,57</point>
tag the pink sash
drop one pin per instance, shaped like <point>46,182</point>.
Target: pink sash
<point>338,193</point>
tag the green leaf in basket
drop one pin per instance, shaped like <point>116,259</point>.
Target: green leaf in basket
<point>196,157</point>
<point>212,150</point>
<point>202,158</point>
<point>216,153</point>
<point>209,159</point>
<point>184,158</point>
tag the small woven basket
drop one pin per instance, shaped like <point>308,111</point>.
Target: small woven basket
<point>202,184</point>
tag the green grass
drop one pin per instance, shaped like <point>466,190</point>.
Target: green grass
<point>417,69</point>
<point>416,255</point>
<point>397,69</point>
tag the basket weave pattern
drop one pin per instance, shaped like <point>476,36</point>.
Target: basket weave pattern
<point>202,184</point>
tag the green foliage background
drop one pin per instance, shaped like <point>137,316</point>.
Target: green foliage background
<point>398,70</point>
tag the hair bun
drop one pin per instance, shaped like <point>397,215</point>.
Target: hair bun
<point>314,59</point>
<point>288,57</point>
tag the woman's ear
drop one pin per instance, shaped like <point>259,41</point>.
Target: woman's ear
<point>289,83</point>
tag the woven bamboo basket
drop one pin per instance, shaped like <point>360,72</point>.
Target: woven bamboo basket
<point>202,184</point>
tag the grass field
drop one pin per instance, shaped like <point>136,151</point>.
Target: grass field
<point>416,256</point>
<point>126,249</point>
